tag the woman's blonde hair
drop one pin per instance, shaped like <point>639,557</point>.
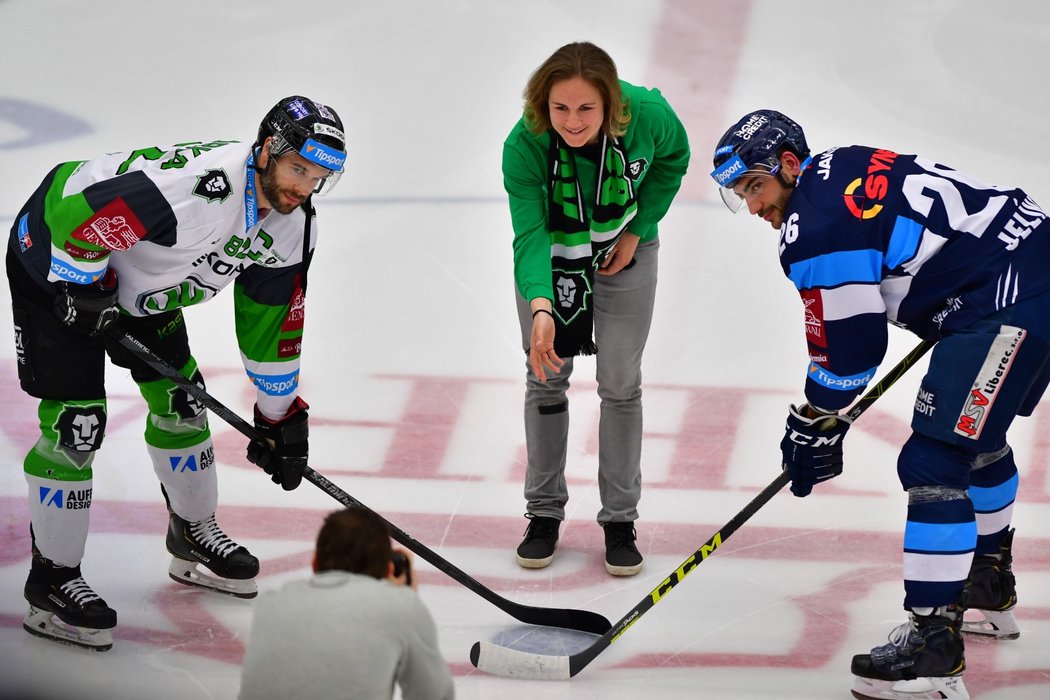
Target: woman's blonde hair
<point>579,59</point>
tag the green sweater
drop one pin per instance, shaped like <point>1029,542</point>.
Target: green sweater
<point>655,140</point>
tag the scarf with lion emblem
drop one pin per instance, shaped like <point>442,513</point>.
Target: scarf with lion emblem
<point>579,245</point>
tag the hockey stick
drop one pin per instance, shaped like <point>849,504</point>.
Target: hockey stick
<point>582,620</point>
<point>501,661</point>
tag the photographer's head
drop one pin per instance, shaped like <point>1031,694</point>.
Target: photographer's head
<point>355,540</point>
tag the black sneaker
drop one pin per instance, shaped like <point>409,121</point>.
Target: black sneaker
<point>621,555</point>
<point>925,653</point>
<point>541,539</point>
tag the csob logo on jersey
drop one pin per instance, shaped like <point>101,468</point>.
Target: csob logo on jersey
<point>814,318</point>
<point>114,227</point>
<point>864,204</point>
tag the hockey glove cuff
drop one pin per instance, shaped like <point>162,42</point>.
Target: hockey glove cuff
<point>284,454</point>
<point>812,447</point>
<point>89,308</point>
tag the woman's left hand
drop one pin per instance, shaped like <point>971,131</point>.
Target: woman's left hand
<point>621,254</point>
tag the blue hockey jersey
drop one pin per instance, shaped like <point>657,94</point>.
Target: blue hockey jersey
<point>871,236</point>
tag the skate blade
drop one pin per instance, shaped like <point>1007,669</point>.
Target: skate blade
<point>189,573</point>
<point>994,625</point>
<point>943,688</point>
<point>44,624</point>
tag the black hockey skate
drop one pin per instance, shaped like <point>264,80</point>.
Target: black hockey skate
<point>924,660</point>
<point>63,608</point>
<point>232,567</point>
<point>991,590</point>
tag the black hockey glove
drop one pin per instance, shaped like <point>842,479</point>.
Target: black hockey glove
<point>283,455</point>
<point>87,307</point>
<point>812,447</point>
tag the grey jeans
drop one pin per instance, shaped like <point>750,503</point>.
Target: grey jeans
<point>623,312</point>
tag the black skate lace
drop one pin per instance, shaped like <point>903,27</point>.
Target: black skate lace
<point>79,591</point>
<point>208,533</point>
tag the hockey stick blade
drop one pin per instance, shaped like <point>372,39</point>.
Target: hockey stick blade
<point>567,618</point>
<point>501,661</point>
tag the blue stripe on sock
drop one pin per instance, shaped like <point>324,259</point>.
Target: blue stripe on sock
<point>994,498</point>
<point>940,538</point>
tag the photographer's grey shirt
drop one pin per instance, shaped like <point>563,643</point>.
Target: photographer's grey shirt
<point>343,636</point>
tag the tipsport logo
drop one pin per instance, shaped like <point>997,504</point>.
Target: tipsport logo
<point>75,499</point>
<point>192,462</point>
<point>323,155</point>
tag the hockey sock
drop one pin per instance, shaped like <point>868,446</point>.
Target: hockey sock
<point>939,540</point>
<point>179,443</point>
<point>58,474</point>
<point>993,489</point>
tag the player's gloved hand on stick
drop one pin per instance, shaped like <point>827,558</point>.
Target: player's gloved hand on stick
<point>283,456</point>
<point>87,307</point>
<point>812,446</point>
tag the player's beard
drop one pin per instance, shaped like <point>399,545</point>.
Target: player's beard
<point>780,202</point>
<point>273,193</point>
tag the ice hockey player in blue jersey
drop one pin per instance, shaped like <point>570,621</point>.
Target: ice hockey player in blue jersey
<point>870,236</point>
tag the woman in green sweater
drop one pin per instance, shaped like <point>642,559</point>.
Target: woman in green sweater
<point>590,169</point>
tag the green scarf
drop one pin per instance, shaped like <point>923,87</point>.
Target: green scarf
<point>578,246</point>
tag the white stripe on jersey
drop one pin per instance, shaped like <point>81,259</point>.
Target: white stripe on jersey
<point>851,300</point>
<point>893,290</point>
<point>930,244</point>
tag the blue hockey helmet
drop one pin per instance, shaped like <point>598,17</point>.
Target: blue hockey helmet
<point>311,129</point>
<point>753,146</point>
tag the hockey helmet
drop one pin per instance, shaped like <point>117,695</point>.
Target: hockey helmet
<point>753,146</point>
<point>312,130</point>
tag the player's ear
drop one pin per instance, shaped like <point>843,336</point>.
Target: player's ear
<point>790,163</point>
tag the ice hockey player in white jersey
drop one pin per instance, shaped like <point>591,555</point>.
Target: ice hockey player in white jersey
<point>126,240</point>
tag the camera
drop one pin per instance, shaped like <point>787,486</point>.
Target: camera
<point>401,566</point>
